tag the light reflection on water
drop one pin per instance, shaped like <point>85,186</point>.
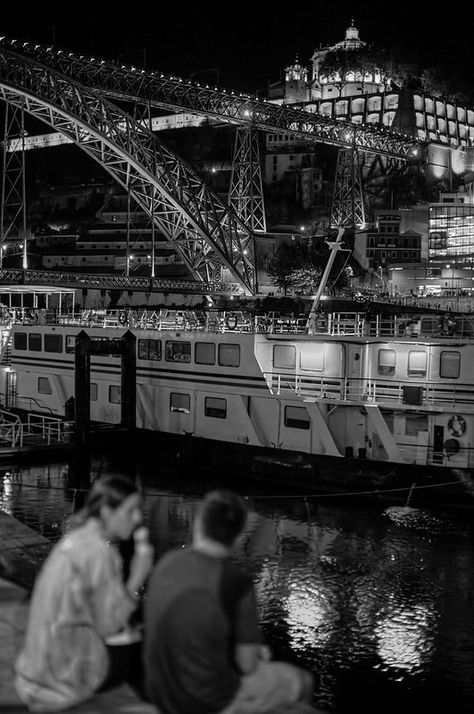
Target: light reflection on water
<point>377,602</point>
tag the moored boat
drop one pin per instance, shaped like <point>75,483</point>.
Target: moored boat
<point>345,402</point>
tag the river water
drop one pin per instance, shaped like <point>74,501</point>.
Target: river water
<point>378,602</point>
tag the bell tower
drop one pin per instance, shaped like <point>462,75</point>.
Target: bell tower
<point>296,83</point>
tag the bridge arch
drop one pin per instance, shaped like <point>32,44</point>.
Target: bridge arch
<point>205,232</point>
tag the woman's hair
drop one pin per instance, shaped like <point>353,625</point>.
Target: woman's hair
<point>105,491</point>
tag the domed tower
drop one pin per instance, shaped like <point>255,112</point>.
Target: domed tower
<point>296,83</point>
<point>334,75</point>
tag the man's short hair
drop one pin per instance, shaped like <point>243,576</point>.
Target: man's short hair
<point>223,516</point>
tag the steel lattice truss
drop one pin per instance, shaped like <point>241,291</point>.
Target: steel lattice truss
<point>203,230</point>
<point>347,203</point>
<point>12,208</point>
<point>246,190</point>
<point>108,280</point>
<point>126,82</point>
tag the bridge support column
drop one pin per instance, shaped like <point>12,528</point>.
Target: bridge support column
<point>348,201</point>
<point>246,191</point>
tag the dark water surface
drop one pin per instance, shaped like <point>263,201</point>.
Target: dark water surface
<point>378,602</point>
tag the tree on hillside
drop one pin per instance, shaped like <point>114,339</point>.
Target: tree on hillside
<point>300,267</point>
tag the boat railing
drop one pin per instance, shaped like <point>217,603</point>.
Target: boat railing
<point>37,428</point>
<point>362,390</point>
<point>351,323</point>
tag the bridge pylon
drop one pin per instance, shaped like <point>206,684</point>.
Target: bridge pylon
<point>348,200</point>
<point>246,189</point>
<point>13,196</point>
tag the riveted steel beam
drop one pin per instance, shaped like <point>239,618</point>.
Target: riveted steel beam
<point>211,240</point>
<point>128,82</point>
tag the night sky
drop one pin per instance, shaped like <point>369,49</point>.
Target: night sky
<point>249,43</point>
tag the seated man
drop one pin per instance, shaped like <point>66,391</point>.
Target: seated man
<point>202,648</point>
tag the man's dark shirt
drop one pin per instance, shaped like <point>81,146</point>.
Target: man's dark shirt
<point>197,609</point>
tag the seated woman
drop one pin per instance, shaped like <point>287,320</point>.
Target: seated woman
<point>80,598</point>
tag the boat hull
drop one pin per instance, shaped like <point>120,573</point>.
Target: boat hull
<point>311,474</point>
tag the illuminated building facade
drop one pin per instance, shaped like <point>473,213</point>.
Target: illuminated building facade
<point>370,97</point>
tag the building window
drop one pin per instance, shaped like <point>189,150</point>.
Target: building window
<point>20,342</point>
<point>229,355</point>
<point>216,408</point>
<point>53,343</point>
<point>297,418</point>
<point>205,353</point>
<point>115,394</point>
<point>180,403</point>
<point>149,349</point>
<point>44,386</point>
<point>34,342</point>
<point>284,356</point>
<point>177,351</point>
<point>387,362</point>
<point>416,363</point>
<point>450,365</point>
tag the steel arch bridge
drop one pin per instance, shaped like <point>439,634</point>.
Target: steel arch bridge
<point>71,94</point>
<point>130,83</point>
<point>206,233</point>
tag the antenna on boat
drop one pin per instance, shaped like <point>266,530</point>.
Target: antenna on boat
<point>335,247</point>
<point>410,493</point>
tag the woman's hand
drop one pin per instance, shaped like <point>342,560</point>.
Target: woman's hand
<point>142,560</point>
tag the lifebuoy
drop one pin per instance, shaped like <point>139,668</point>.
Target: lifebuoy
<point>231,321</point>
<point>122,318</point>
<point>457,425</point>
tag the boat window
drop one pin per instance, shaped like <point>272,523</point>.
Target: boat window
<point>416,363</point>
<point>149,349</point>
<point>70,344</point>
<point>216,408</point>
<point>177,351</point>
<point>450,364</point>
<point>93,392</point>
<point>284,356</point>
<point>115,394</point>
<point>44,386</point>
<point>180,402</point>
<point>387,362</point>
<point>34,342</point>
<point>312,357</point>
<point>20,341</point>
<point>229,355</point>
<point>53,343</point>
<point>414,423</point>
<point>297,418</point>
<point>205,353</point>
